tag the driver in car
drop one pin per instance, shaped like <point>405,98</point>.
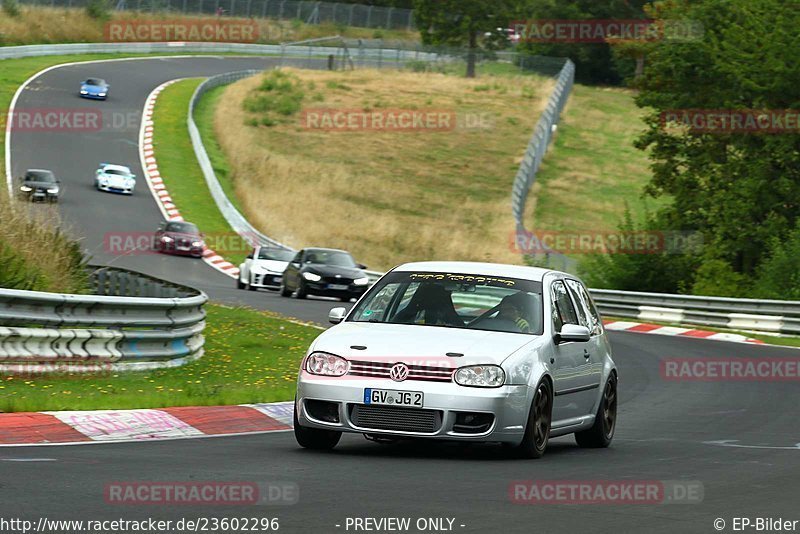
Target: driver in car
<point>511,309</point>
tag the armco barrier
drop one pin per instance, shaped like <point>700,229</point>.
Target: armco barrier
<point>134,322</point>
<point>777,316</point>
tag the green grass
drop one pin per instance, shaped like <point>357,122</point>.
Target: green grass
<point>204,118</point>
<point>592,169</point>
<point>250,357</point>
<point>181,173</point>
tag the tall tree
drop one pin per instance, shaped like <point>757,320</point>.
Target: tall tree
<point>462,23</point>
<point>740,188</point>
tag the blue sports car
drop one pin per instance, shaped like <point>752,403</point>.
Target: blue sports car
<point>94,88</point>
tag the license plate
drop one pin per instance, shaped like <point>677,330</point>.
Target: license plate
<point>391,397</point>
<point>336,287</point>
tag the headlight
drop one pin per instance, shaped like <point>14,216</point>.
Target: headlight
<point>166,239</point>
<point>197,243</point>
<point>101,94</point>
<point>361,281</point>
<point>25,189</point>
<point>321,363</point>
<point>481,376</point>
<point>53,190</point>
<point>84,92</point>
<point>311,277</point>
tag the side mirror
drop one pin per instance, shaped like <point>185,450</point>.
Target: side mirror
<point>361,266</point>
<point>573,332</point>
<point>250,256</point>
<point>336,315</point>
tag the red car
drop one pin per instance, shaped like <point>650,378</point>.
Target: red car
<point>179,237</point>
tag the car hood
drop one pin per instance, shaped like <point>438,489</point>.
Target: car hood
<point>330,270</point>
<point>178,235</point>
<point>426,344</point>
<point>43,185</point>
<point>116,178</point>
<point>275,266</point>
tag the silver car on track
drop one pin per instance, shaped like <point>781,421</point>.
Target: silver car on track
<point>462,351</point>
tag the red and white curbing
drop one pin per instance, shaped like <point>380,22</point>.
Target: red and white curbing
<point>156,183</point>
<point>133,426</point>
<point>644,328</point>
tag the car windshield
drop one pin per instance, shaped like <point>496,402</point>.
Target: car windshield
<point>117,172</point>
<point>39,176</point>
<point>95,81</point>
<point>468,301</point>
<point>337,258</point>
<point>277,254</point>
<point>182,228</point>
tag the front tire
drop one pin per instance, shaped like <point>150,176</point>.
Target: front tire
<point>315,438</point>
<point>601,433</point>
<point>301,291</point>
<point>537,431</point>
<point>239,283</point>
<point>285,291</point>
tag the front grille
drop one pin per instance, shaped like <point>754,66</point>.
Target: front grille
<point>415,372</point>
<point>395,418</point>
<point>183,242</point>
<point>333,280</point>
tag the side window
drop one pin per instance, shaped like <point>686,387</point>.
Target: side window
<point>580,306</point>
<point>597,322</point>
<point>564,312</point>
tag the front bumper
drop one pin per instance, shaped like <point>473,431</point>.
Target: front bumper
<point>170,248</point>
<point>93,96</point>
<point>322,289</point>
<point>111,189</point>
<point>507,404</point>
<point>266,280</point>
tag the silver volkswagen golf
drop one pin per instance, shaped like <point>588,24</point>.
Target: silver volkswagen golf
<point>462,351</point>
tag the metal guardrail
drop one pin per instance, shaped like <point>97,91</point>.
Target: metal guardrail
<point>359,15</point>
<point>537,147</point>
<point>135,322</point>
<point>777,316</point>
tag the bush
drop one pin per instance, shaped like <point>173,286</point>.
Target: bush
<point>716,278</point>
<point>278,94</point>
<point>778,276</point>
<point>658,272</point>
<point>98,9</point>
<point>11,8</point>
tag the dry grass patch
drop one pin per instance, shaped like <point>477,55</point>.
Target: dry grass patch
<point>389,197</point>
<point>68,25</point>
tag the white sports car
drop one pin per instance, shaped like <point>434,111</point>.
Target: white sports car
<point>264,268</point>
<point>114,179</point>
<point>462,351</point>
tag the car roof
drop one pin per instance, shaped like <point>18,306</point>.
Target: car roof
<point>325,249</point>
<point>39,170</point>
<point>523,272</point>
<point>112,167</point>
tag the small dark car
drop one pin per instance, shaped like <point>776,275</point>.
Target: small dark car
<point>39,184</point>
<point>180,238</point>
<point>324,272</point>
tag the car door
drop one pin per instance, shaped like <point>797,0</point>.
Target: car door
<point>573,390</point>
<point>588,317</point>
<point>292,273</point>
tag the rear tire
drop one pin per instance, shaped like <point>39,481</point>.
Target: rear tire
<point>537,430</point>
<point>315,438</point>
<point>601,433</point>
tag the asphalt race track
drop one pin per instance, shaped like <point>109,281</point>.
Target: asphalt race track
<point>738,439</point>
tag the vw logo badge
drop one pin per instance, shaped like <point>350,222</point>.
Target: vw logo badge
<point>398,372</point>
